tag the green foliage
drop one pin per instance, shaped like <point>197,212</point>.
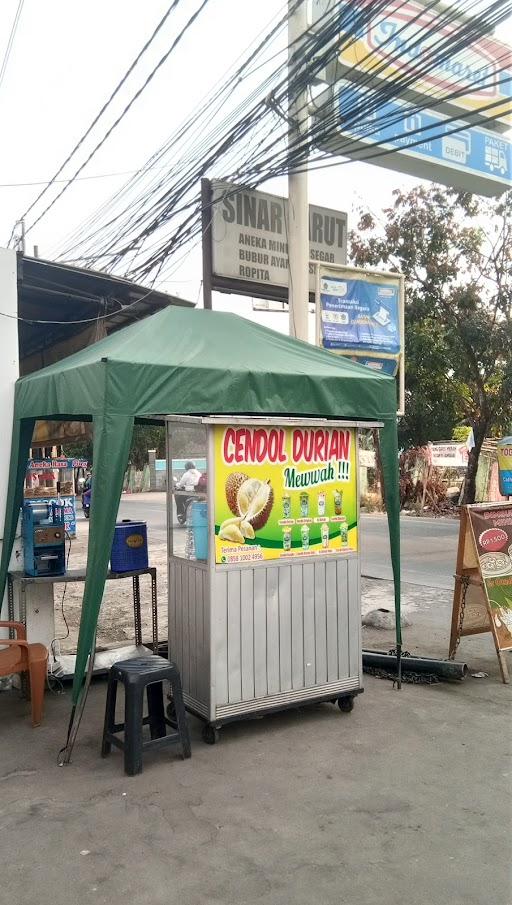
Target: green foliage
<point>461,434</point>
<point>146,437</point>
<point>185,443</point>
<point>80,448</point>
<point>454,250</point>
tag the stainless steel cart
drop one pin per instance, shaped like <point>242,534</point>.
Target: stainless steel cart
<point>259,636</point>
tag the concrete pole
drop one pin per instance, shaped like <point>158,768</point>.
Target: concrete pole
<point>298,202</point>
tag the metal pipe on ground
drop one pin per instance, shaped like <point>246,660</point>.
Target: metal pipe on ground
<point>445,669</point>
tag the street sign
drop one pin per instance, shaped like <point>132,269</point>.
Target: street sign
<point>423,143</point>
<point>249,241</point>
<point>396,42</point>
<point>448,455</point>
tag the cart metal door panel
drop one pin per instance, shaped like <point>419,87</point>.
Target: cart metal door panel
<point>297,628</point>
<point>343,621</point>
<point>284,628</point>
<point>247,633</point>
<point>234,638</point>
<point>320,625</point>
<point>260,632</point>
<point>189,628</point>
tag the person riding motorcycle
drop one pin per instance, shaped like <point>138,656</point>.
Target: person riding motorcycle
<point>188,482</point>
<point>189,478</point>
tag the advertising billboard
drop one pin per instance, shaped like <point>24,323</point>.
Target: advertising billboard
<point>360,315</point>
<point>395,42</point>
<point>284,492</point>
<point>448,455</point>
<point>492,533</point>
<point>249,240</point>
<point>425,143</point>
<point>504,453</point>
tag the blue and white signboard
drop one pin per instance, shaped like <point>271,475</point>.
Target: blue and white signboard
<point>69,503</point>
<point>356,313</point>
<point>426,143</point>
<point>360,316</point>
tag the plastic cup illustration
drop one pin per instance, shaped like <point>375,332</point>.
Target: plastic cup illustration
<point>321,503</point>
<point>325,535</point>
<point>344,533</point>
<point>287,505</point>
<point>338,502</point>
<point>304,504</point>
<point>304,536</point>
<point>287,538</point>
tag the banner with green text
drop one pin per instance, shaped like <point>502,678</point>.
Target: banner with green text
<point>284,492</point>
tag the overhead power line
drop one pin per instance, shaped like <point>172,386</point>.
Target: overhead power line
<point>105,106</point>
<point>10,40</point>
<point>128,106</point>
<point>144,226</point>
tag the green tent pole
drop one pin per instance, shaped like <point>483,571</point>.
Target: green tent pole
<point>389,457</point>
<point>112,436</point>
<point>21,442</point>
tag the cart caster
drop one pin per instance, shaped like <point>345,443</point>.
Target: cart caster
<point>346,705</point>
<point>210,734</point>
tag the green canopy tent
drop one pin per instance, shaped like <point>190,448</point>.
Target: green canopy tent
<point>189,362</point>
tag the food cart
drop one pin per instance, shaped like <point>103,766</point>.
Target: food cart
<point>183,362</point>
<point>264,598</point>
<point>53,481</point>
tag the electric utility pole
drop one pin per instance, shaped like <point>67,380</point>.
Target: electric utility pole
<point>298,202</point>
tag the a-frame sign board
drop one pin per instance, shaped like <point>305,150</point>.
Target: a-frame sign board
<point>482,599</point>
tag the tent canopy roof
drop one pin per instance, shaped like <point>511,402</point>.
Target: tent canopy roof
<point>186,362</point>
<point>190,361</point>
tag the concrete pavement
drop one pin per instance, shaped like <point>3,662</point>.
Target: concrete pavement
<point>403,800</point>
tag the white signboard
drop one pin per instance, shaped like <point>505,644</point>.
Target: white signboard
<point>396,41</point>
<point>250,236</point>
<point>449,455</point>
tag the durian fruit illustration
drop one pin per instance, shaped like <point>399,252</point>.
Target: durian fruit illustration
<point>250,500</point>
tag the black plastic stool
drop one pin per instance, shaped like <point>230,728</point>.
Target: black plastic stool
<point>136,675</point>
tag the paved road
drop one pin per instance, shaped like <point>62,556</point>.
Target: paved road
<point>429,546</point>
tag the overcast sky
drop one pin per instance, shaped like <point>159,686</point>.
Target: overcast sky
<point>67,57</point>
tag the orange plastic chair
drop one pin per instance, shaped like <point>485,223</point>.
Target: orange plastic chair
<point>17,656</point>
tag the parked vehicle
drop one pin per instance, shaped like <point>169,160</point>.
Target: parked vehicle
<point>183,500</point>
<point>86,501</point>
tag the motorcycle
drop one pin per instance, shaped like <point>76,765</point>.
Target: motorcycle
<point>183,500</point>
<point>86,502</point>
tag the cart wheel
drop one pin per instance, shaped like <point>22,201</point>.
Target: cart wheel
<point>346,705</point>
<point>210,734</point>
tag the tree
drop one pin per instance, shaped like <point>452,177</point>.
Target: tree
<point>455,252</point>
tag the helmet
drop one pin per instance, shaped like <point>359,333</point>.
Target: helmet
<point>189,465</point>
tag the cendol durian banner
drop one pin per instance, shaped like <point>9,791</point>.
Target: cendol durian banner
<point>284,492</point>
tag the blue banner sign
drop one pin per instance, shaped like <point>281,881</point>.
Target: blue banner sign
<point>429,145</point>
<point>69,503</point>
<point>356,314</point>
<point>382,365</point>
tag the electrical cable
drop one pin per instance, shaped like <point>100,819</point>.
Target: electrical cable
<point>166,214</point>
<point>126,109</point>
<point>10,40</point>
<point>105,106</point>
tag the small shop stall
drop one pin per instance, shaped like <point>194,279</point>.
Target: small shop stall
<point>195,362</point>
<point>264,599</point>
<point>54,481</point>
